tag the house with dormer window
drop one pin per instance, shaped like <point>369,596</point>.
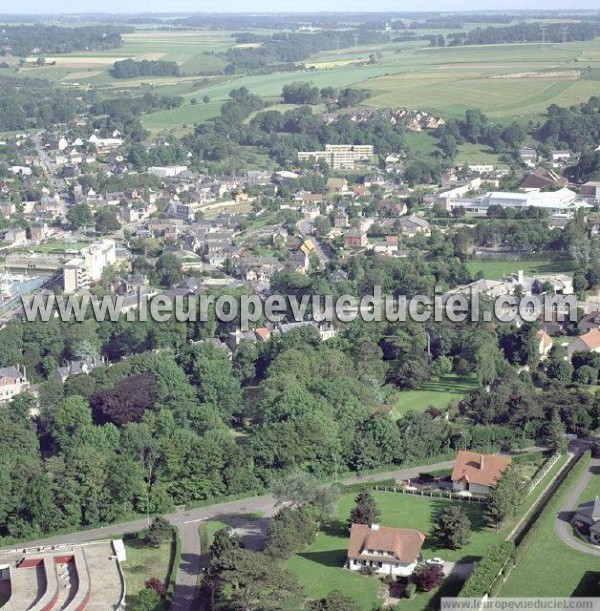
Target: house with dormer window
<point>388,551</point>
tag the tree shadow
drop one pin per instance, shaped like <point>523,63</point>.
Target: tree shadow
<point>331,558</point>
<point>589,585</point>
<point>336,528</point>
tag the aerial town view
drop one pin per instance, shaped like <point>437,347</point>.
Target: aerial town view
<point>299,305</point>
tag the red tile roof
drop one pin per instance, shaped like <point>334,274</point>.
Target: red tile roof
<point>482,469</point>
<point>403,542</point>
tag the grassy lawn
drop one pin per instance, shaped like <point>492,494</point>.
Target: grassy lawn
<point>319,566</point>
<point>496,270</point>
<point>436,393</point>
<point>571,570</point>
<point>477,154</point>
<point>144,562</point>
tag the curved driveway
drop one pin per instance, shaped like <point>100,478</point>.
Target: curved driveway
<point>562,525</point>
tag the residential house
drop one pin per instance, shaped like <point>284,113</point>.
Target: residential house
<point>299,261</point>
<point>217,343</point>
<point>388,551</point>
<point>337,185</point>
<point>339,275</point>
<point>7,208</point>
<point>340,219</point>
<point>414,225</point>
<point>478,473</point>
<point>559,157</point>
<point>543,179</point>
<point>12,382</point>
<point>39,231</point>
<point>279,236</point>
<point>588,322</point>
<point>181,212</point>
<point>544,343</point>
<point>587,520</point>
<point>75,367</point>
<point>591,191</point>
<point>16,236</point>
<point>529,156</point>
<point>355,238</point>
<point>589,342</point>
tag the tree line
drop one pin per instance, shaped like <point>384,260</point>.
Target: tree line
<point>23,40</point>
<point>130,68</point>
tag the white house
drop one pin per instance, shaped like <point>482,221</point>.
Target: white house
<point>478,473</point>
<point>389,551</point>
<point>12,382</point>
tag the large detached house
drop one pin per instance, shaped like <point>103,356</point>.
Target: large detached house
<point>389,551</point>
<point>12,382</point>
<point>587,519</point>
<point>478,473</point>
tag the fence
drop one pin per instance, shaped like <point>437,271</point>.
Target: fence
<point>433,492</point>
<point>537,478</point>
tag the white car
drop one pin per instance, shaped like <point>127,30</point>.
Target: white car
<point>436,560</point>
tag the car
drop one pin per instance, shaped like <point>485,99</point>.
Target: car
<point>436,560</point>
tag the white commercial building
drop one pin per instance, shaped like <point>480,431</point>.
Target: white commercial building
<point>170,171</point>
<point>563,202</point>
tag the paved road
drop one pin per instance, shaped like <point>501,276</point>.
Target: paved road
<point>49,167</point>
<point>231,513</point>
<point>562,523</point>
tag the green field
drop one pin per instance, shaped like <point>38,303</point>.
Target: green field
<point>571,570</point>
<point>497,270</point>
<point>436,393</point>
<point>144,562</point>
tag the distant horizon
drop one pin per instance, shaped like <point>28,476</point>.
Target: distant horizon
<point>156,7</point>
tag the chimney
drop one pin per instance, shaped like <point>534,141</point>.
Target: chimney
<point>481,463</point>
<point>375,527</point>
<point>520,276</point>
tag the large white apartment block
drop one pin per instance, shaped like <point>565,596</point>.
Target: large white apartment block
<point>88,267</point>
<point>340,155</point>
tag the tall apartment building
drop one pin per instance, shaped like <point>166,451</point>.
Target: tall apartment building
<point>340,155</point>
<point>88,267</point>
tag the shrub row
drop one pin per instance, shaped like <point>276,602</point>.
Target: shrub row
<point>478,584</point>
<point>174,563</point>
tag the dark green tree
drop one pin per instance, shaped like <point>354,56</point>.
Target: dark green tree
<point>452,528</point>
<point>365,510</point>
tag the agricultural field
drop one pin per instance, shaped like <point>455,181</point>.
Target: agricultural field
<point>192,50</point>
<point>505,81</point>
<point>435,393</point>
<point>497,270</point>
